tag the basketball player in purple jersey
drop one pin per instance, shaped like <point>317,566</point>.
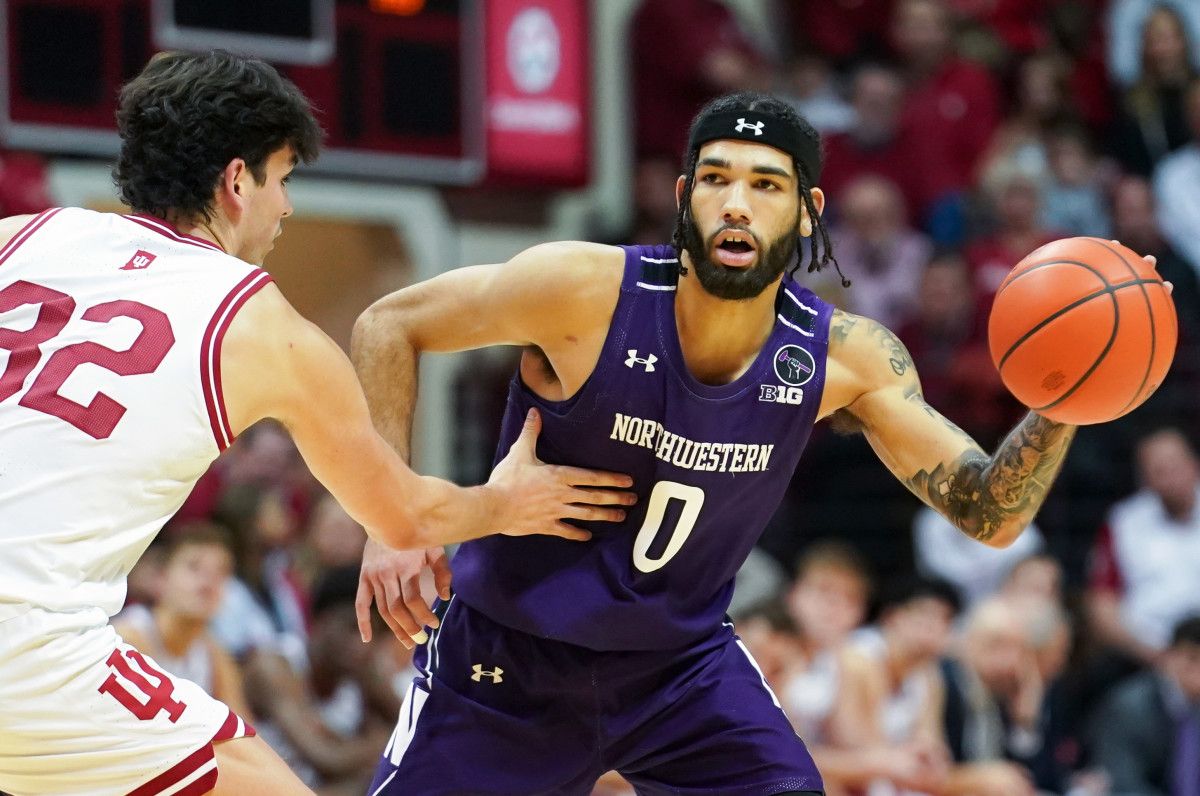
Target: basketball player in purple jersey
<point>700,369</point>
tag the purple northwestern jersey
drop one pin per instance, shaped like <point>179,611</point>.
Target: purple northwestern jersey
<point>710,465</point>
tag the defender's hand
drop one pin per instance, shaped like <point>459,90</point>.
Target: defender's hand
<point>535,498</point>
<point>392,580</point>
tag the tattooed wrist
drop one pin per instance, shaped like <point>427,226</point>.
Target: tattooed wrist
<point>985,496</point>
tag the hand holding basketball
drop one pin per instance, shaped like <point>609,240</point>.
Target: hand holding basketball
<point>1082,330</point>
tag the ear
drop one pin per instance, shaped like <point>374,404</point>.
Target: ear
<point>679,185</point>
<point>806,223</point>
<point>232,190</point>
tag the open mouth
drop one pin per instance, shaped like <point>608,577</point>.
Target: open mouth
<point>735,248</point>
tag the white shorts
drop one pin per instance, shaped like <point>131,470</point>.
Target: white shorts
<point>83,713</point>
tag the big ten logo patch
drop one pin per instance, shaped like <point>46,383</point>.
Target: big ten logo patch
<point>771,393</point>
<point>155,688</point>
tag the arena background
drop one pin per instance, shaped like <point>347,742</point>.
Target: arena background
<point>960,135</point>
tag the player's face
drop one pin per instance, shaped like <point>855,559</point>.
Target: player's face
<point>744,218</point>
<point>266,206</point>
<point>195,580</point>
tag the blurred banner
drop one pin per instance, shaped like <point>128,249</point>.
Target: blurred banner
<point>537,92</point>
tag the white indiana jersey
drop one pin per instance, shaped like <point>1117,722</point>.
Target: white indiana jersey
<point>110,396</point>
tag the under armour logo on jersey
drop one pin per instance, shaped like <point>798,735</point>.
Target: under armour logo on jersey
<point>743,126</point>
<point>140,259</point>
<point>480,673</point>
<point>634,359</point>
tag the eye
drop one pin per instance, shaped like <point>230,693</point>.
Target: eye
<point>287,178</point>
<point>766,185</point>
<point>711,178</point>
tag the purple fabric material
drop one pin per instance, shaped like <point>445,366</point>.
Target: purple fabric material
<point>1186,774</point>
<point>548,718</point>
<point>713,459</point>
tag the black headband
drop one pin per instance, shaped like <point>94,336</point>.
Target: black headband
<point>759,128</point>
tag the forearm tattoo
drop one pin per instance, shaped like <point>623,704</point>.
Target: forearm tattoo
<point>983,495</point>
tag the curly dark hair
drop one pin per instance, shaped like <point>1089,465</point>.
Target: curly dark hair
<point>755,101</point>
<point>186,116</point>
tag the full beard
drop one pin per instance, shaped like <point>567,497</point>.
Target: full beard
<point>737,284</point>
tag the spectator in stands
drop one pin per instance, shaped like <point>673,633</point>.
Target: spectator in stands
<point>1152,120</point>
<point>993,707</point>
<point>329,721</point>
<point>1175,182</point>
<point>975,570</point>
<point>173,631</point>
<point>1147,733</point>
<point>685,52</point>
<point>829,689</point>
<point>875,143</point>
<point>951,110</point>
<point>915,618</point>
<point>947,340</point>
<point>333,539</point>
<point>809,84</point>
<point>1017,201</point>
<point>1038,576</point>
<point>1073,200</point>
<point>1147,557</point>
<point>1002,29</point>
<point>848,31</point>
<point>1133,47</point>
<point>266,604</point>
<point>1041,101</point>
<point>885,256</point>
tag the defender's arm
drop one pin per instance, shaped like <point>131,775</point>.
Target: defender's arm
<point>557,296</point>
<point>991,498</point>
<point>276,364</point>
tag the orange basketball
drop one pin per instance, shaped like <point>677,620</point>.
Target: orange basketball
<point>1082,330</point>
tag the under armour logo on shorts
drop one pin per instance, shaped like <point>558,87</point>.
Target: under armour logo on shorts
<point>743,126</point>
<point>647,362</point>
<point>479,673</point>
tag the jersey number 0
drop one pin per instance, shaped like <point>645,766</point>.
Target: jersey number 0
<point>99,417</point>
<point>656,512</point>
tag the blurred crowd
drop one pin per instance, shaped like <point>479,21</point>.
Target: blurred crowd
<point>960,135</point>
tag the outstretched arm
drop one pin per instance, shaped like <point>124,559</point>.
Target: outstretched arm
<point>276,364</point>
<point>558,297</point>
<point>989,497</point>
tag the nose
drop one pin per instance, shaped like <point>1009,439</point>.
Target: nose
<point>736,206</point>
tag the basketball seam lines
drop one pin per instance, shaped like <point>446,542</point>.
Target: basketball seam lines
<point>1111,292</point>
<point>1108,289</point>
<point>1150,317</point>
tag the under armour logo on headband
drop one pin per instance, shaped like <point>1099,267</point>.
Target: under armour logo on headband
<point>743,126</point>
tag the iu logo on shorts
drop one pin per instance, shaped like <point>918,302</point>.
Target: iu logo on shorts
<point>140,259</point>
<point>158,695</point>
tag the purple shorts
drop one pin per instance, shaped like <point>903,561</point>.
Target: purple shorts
<point>503,712</point>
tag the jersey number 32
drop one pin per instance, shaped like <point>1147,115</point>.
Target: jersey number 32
<point>99,417</point>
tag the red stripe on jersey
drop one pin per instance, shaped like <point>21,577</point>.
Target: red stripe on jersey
<point>176,773</point>
<point>201,786</point>
<point>233,727</point>
<point>24,232</point>
<point>210,353</point>
<point>168,231</point>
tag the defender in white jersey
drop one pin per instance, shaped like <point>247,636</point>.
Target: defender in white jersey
<point>133,348</point>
